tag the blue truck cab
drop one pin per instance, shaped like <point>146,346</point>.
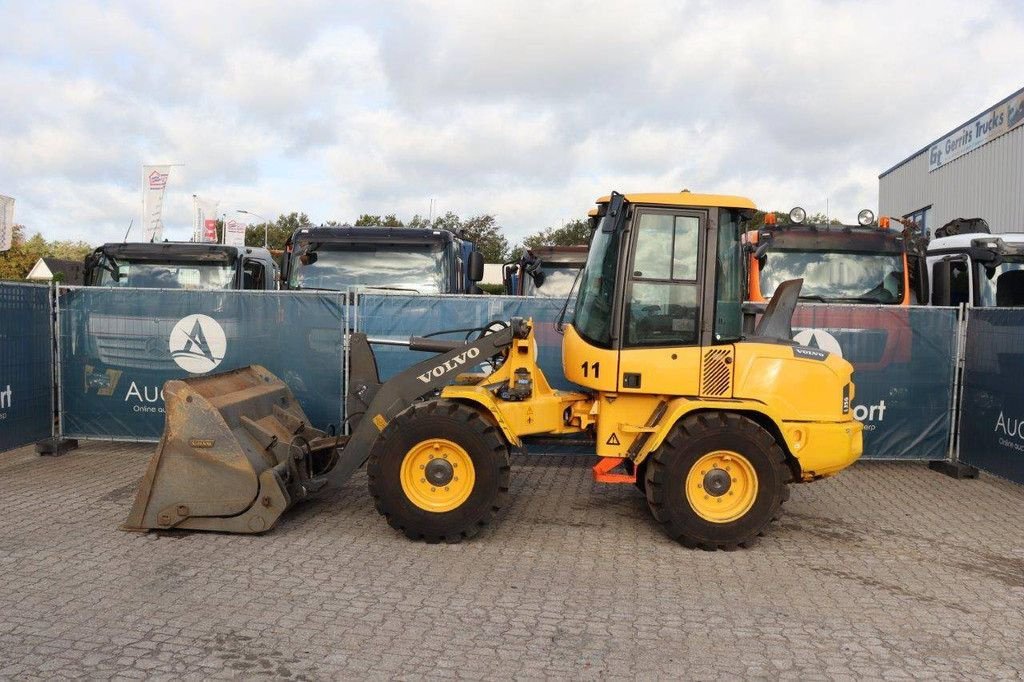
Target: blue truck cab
<point>181,265</point>
<point>414,260</point>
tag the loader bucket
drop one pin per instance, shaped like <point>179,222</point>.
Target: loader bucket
<point>236,452</point>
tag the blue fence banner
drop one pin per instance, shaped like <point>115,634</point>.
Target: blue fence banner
<point>399,317</point>
<point>904,362</point>
<point>992,404</point>
<point>119,346</point>
<point>26,364</point>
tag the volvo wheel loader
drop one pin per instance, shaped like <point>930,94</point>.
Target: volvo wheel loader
<point>711,424</point>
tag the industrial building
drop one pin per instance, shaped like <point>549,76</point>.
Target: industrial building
<point>976,170</point>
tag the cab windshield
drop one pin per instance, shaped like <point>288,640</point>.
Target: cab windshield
<point>558,281</point>
<point>169,275</point>
<point>593,317</point>
<point>419,268</point>
<point>836,276</point>
<point>1002,285</point>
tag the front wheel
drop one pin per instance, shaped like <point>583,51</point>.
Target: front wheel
<point>439,472</point>
<point>716,481</point>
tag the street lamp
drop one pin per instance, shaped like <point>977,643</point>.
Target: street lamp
<point>266,224</point>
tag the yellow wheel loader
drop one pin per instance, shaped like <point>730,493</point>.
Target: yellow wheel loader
<point>710,421</point>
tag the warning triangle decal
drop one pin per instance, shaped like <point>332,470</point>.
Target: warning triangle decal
<point>612,440</point>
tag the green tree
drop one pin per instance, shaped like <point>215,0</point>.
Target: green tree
<point>483,230</point>
<point>390,220</point>
<point>278,231</point>
<point>573,233</point>
<point>23,254</point>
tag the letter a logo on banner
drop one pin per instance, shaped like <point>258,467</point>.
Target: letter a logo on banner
<point>198,344</point>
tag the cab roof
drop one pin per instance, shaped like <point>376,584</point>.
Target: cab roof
<point>686,198</point>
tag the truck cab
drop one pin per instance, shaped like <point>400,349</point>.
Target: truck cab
<point>415,260</point>
<point>838,263</point>
<point>181,265</point>
<point>976,267</point>
<point>545,272</point>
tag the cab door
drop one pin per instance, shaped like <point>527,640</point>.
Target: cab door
<point>661,312</point>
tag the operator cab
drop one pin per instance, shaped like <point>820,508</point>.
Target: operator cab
<point>663,278</point>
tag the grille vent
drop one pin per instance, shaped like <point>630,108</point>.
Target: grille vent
<point>716,377</point>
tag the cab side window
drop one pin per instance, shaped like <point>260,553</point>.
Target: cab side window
<point>661,307</point>
<point>254,275</point>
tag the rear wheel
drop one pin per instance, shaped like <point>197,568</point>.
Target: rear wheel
<point>439,472</point>
<point>716,481</point>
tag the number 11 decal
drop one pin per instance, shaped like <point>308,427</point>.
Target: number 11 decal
<point>595,366</point>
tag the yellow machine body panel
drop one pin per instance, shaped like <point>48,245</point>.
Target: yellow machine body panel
<point>804,393</point>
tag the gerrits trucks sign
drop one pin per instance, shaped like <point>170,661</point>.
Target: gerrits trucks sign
<point>1000,119</point>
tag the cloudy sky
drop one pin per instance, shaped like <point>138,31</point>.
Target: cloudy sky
<point>525,110</point>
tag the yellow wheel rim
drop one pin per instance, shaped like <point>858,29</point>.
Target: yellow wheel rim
<point>437,475</point>
<point>721,486</point>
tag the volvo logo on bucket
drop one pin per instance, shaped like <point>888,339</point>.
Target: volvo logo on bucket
<point>198,344</point>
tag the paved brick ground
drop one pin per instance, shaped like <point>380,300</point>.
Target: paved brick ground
<point>889,571</point>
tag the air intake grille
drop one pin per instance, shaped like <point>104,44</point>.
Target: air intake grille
<point>717,374</point>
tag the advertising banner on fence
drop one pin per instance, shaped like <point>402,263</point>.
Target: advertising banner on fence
<point>26,375</point>
<point>904,360</point>
<point>992,413</point>
<point>118,347</point>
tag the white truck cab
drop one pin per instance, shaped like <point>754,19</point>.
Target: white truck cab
<point>977,268</point>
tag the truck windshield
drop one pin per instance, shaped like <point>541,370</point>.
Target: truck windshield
<point>836,276</point>
<point>169,275</point>
<point>593,317</point>
<point>405,267</point>
<point>558,280</point>
<point>1002,285</point>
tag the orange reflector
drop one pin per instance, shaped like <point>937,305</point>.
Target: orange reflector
<point>769,218</point>
<point>883,223</point>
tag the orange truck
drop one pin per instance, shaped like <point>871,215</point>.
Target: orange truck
<point>878,265</point>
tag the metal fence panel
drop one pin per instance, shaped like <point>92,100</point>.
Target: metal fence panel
<point>904,359</point>
<point>119,346</point>
<point>399,317</point>
<point>904,363</point>
<point>26,369</point>
<point>992,403</point>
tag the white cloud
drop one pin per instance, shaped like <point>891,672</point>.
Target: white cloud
<point>525,110</point>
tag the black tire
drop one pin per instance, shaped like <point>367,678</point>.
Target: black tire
<point>691,439</point>
<point>466,427</point>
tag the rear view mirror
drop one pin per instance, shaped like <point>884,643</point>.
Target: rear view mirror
<point>615,217</point>
<point>940,283</point>
<point>476,266</point>
<point>308,258</point>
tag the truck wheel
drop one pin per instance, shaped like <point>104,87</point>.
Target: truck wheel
<point>716,481</point>
<point>439,471</point>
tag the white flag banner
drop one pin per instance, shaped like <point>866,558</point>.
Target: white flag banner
<point>234,232</point>
<point>6,222</point>
<point>154,182</point>
<point>206,220</point>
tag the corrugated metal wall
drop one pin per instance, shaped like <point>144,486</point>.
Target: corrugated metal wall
<point>986,183</point>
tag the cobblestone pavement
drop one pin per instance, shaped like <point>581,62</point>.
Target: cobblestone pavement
<point>888,571</point>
